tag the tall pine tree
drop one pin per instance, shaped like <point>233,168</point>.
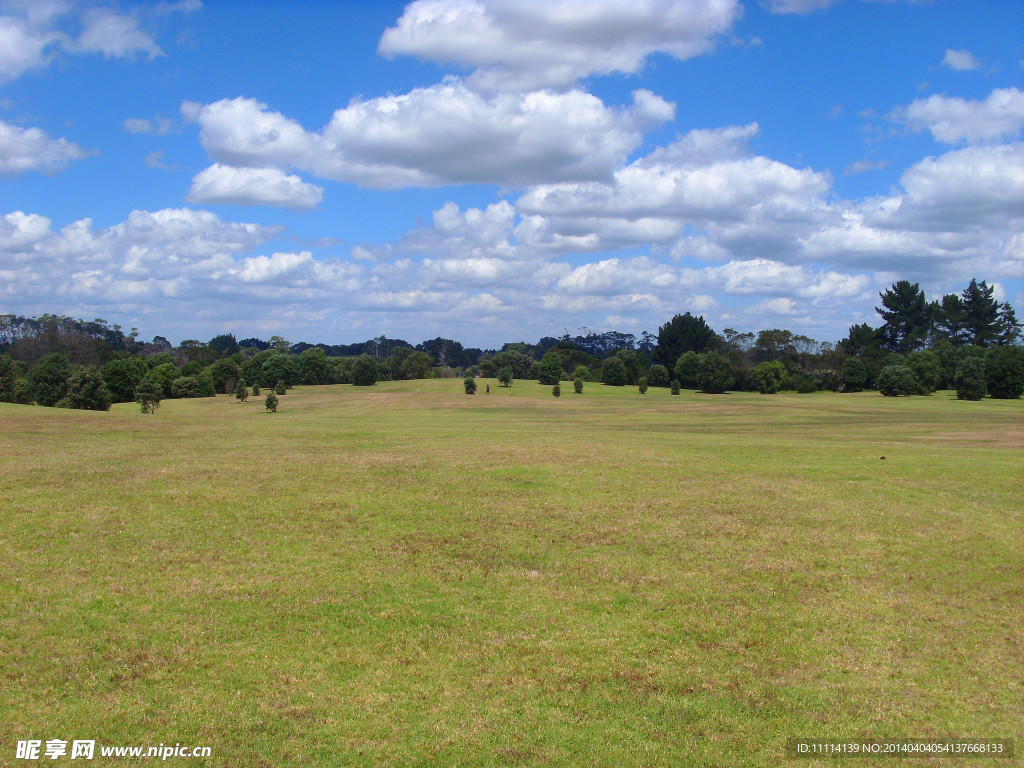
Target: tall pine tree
<point>906,316</point>
<point>981,314</point>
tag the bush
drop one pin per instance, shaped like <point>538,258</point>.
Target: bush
<point>674,387</point>
<point>185,386</point>
<point>969,379</point>
<point>255,390</point>
<point>280,389</point>
<point>50,378</point>
<point>271,402</point>
<point>364,371</point>
<point>642,385</point>
<point>577,385</point>
<point>86,391</point>
<point>556,390</point>
<point>550,371</point>
<point>927,370</point>
<point>241,391</point>
<point>855,375</point>
<point>896,381</point>
<point>470,384</point>
<point>686,369</point>
<point>1004,373</point>
<point>658,375</point>
<point>804,385</point>
<point>769,377</point>
<point>613,373</point>
<point>714,373</point>
<point>581,372</point>
<point>148,395</point>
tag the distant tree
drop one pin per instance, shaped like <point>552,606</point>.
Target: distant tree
<point>556,390</point>
<point>206,387</point>
<point>148,395</point>
<point>550,371</point>
<point>1009,328</point>
<point>981,313</point>
<point>364,371</point>
<point>970,380</point>
<point>271,402</point>
<point>224,371</point>
<point>613,372</point>
<point>657,375</point>
<point>280,388</point>
<point>714,373</point>
<point>280,367</point>
<point>162,376</point>
<point>906,317</point>
<point>1004,373</point>
<point>686,369</point>
<point>122,375</point>
<point>280,344</point>
<point>896,381</point>
<point>185,386</point>
<point>674,387</point>
<point>416,366</point>
<point>505,376</point>
<point>855,375</point>
<point>683,333</point>
<point>950,320</point>
<point>224,344</point>
<point>255,389</point>
<point>13,387</point>
<point>642,385</point>
<point>581,372</point>
<point>470,385</point>
<point>769,377</point>
<point>86,391</point>
<point>50,378</point>
<point>927,370</point>
<point>241,391</point>
<point>577,385</point>
<point>313,367</point>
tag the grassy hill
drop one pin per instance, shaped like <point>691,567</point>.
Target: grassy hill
<point>406,575</point>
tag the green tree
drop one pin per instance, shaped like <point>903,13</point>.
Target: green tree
<point>674,387</point>
<point>581,372</point>
<point>550,371</point>
<point>1009,328</point>
<point>224,371</point>
<point>981,314</point>
<point>906,317</point>
<point>417,366</point>
<point>469,383</point>
<point>364,371</point>
<point>969,379</point>
<point>657,375</point>
<point>13,387</point>
<point>686,369</point>
<point>556,390</point>
<point>224,344</point>
<point>271,402</point>
<point>255,390</point>
<point>50,378</point>
<point>86,391</point>
<point>280,367</point>
<point>122,375</point>
<point>855,375</point>
<point>280,389</point>
<point>613,372</point>
<point>714,373</point>
<point>896,381</point>
<point>162,376</point>
<point>642,385</point>
<point>1004,373</point>
<point>505,376</point>
<point>769,377</point>
<point>148,395</point>
<point>241,391</point>
<point>927,370</point>
<point>683,333</point>
<point>577,385</point>
<point>950,320</point>
<point>313,367</point>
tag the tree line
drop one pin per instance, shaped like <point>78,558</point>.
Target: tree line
<point>967,341</point>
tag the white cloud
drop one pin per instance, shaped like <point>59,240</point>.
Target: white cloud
<point>31,149</point>
<point>20,231</point>
<point>953,120</point>
<point>114,35</point>
<point>798,6</point>
<point>445,134</point>
<point>960,60</point>
<point>22,46</point>
<point>160,126</point>
<point>253,186</point>
<point>530,44</point>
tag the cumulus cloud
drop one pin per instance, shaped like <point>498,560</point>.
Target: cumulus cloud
<point>531,44</point>
<point>114,35</point>
<point>960,60</point>
<point>444,134</point>
<point>954,120</point>
<point>32,149</point>
<point>23,46</point>
<point>253,186</point>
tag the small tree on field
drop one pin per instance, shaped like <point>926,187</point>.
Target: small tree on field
<point>674,387</point>
<point>927,370</point>
<point>505,376</point>
<point>855,375</point>
<point>271,402</point>
<point>714,373</point>
<point>658,375</point>
<point>556,390</point>
<point>255,390</point>
<point>280,388</point>
<point>241,391</point>
<point>577,385</point>
<point>769,377</point>
<point>550,370</point>
<point>897,381</point>
<point>148,395</point>
<point>185,386</point>
<point>470,384</point>
<point>581,372</point>
<point>642,385</point>
<point>969,379</point>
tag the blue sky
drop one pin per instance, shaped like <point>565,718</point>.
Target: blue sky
<point>497,170</point>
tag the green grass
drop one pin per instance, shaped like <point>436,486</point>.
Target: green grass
<point>405,575</point>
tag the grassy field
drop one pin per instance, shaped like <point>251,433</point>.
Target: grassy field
<point>405,575</point>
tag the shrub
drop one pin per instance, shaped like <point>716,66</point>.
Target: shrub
<point>1004,373</point>
<point>470,384</point>
<point>769,377</point>
<point>969,379</point>
<point>505,376</point>
<point>658,375</point>
<point>280,388</point>
<point>364,371</point>
<point>613,373</point>
<point>255,390</point>
<point>50,378</point>
<point>804,385</point>
<point>855,375</point>
<point>714,373</point>
<point>686,369</point>
<point>642,385</point>
<point>241,391</point>
<point>577,385</point>
<point>550,371</point>
<point>271,402</point>
<point>896,381</point>
<point>927,370</point>
<point>556,390</point>
<point>674,387</point>
<point>148,395</point>
<point>581,372</point>
<point>86,391</point>
<point>185,386</point>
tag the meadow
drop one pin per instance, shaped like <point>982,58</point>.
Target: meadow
<point>405,575</point>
